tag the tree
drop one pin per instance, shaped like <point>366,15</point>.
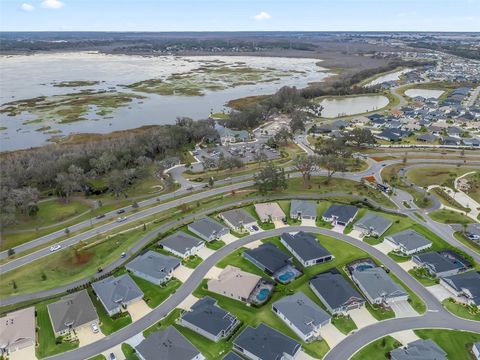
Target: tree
<point>211,181</point>
<point>70,181</point>
<point>333,146</point>
<point>306,165</point>
<point>270,178</point>
<point>298,122</point>
<point>10,252</point>
<point>117,182</point>
<point>283,136</point>
<point>332,164</point>
<point>361,136</point>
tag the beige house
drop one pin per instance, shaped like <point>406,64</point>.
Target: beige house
<point>234,283</point>
<point>269,212</point>
<point>17,330</point>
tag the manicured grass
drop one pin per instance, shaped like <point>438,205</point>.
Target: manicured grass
<point>192,261</point>
<point>423,276</point>
<point>47,345</point>
<point>398,257</point>
<point>379,312</point>
<point>461,310</point>
<point>129,352</point>
<point>377,350</point>
<point>153,294</point>
<point>98,357</point>
<point>456,344</point>
<point>164,323</point>
<point>442,175</point>
<point>108,324</point>
<point>215,244</point>
<point>449,217</point>
<point>236,259</point>
<point>344,323</point>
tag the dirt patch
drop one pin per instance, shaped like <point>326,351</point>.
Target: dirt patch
<point>77,258</point>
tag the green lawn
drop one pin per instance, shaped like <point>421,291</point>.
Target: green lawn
<point>423,276</point>
<point>108,324</point>
<point>154,295</point>
<point>344,323</point>
<point>47,345</point>
<point>98,357</point>
<point>380,313</point>
<point>215,244</point>
<point>129,352</point>
<point>192,261</point>
<point>449,217</point>
<point>398,257</point>
<point>377,350</point>
<point>461,310</point>
<point>457,344</point>
<point>442,175</point>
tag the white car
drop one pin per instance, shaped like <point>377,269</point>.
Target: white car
<point>121,219</point>
<point>94,328</point>
<point>55,247</point>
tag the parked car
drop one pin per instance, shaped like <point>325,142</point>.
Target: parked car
<point>100,216</point>
<point>94,328</point>
<point>112,356</point>
<point>190,188</point>
<point>255,227</point>
<point>120,211</point>
<point>99,269</point>
<point>55,247</point>
<point>285,222</point>
<point>121,219</point>
<point>123,254</point>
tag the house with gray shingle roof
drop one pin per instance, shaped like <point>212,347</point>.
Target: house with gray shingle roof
<point>440,264</point>
<point>182,244</point>
<point>476,350</point>
<point>303,209</point>
<point>117,292</point>
<point>206,318</point>
<point>72,312</point>
<point>265,343</point>
<point>153,266</point>
<point>237,219</point>
<point>378,287</point>
<point>465,286</point>
<point>372,224</point>
<point>419,350</point>
<point>208,229</point>
<point>408,242</point>
<point>336,293</point>
<point>17,330</point>
<point>301,315</point>
<point>306,248</point>
<point>340,214</point>
<point>232,356</point>
<point>167,344</point>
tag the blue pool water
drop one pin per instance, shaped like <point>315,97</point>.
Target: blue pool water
<point>262,294</point>
<point>363,267</point>
<point>286,276</point>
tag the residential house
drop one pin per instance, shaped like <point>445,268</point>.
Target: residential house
<point>269,212</point>
<point>303,210</point>
<point>116,293</point>
<point>336,293</point>
<point>408,242</point>
<point>419,350</point>
<point>465,286</point>
<point>238,219</point>
<point>182,244</point>
<point>167,344</point>
<point>232,356</point>
<point>265,343</point>
<point>427,138</point>
<point>372,225</point>
<point>17,330</point>
<point>378,287</point>
<point>153,267</point>
<point>441,264</point>
<point>476,350</point>
<point>208,229</point>
<point>340,214</point>
<point>451,141</point>
<point>301,315</point>
<point>206,318</point>
<point>72,312</point>
<point>306,248</point>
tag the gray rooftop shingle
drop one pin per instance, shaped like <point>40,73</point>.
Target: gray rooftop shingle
<point>469,281</point>
<point>207,227</point>
<point>377,283</point>
<point>114,292</point>
<point>181,242</point>
<point>167,344</point>
<point>302,312</point>
<point>305,245</point>
<point>154,264</point>
<point>238,217</point>
<point>372,221</point>
<point>419,350</point>
<point>410,239</point>
<point>439,262</point>
<point>343,212</point>
<point>304,207</point>
<point>269,256</point>
<point>266,343</point>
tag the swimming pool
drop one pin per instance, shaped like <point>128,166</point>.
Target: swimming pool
<point>362,267</point>
<point>262,294</point>
<point>286,276</point>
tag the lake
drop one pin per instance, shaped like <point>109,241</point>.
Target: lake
<point>27,77</point>
<point>425,93</point>
<point>338,107</point>
<point>388,77</point>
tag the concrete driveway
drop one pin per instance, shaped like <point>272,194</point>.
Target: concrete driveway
<point>383,247</point>
<point>138,310</point>
<point>403,309</point>
<point>86,336</point>
<point>205,252</point>
<point>302,355</point>
<point>279,224</point>
<point>213,272</point>
<point>253,245</point>
<point>407,265</point>
<point>356,234</point>
<point>331,335</point>
<point>308,222</point>
<point>187,303</point>
<point>117,351</point>
<point>227,239</point>
<point>405,337</point>
<point>339,228</point>
<point>182,273</point>
<point>23,354</point>
<point>362,317</point>
<point>440,292</point>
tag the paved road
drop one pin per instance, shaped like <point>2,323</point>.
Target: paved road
<point>199,273</point>
<point>473,96</point>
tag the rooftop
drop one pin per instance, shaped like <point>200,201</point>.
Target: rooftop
<point>154,264</point>
<point>114,292</point>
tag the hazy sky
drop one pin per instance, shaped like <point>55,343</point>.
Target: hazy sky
<point>238,15</point>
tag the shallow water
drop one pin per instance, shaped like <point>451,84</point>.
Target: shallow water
<point>333,108</point>
<point>388,77</point>
<point>425,93</point>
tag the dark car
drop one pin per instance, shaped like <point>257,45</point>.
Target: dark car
<point>254,227</point>
<point>121,211</point>
<point>100,216</point>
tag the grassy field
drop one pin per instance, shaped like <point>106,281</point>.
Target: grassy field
<point>47,345</point>
<point>474,182</point>
<point>129,352</point>
<point>377,350</point>
<point>444,175</point>
<point>154,295</point>
<point>344,323</point>
<point>423,276</point>
<point>449,217</point>
<point>456,344</point>
<point>108,324</point>
<point>461,310</point>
